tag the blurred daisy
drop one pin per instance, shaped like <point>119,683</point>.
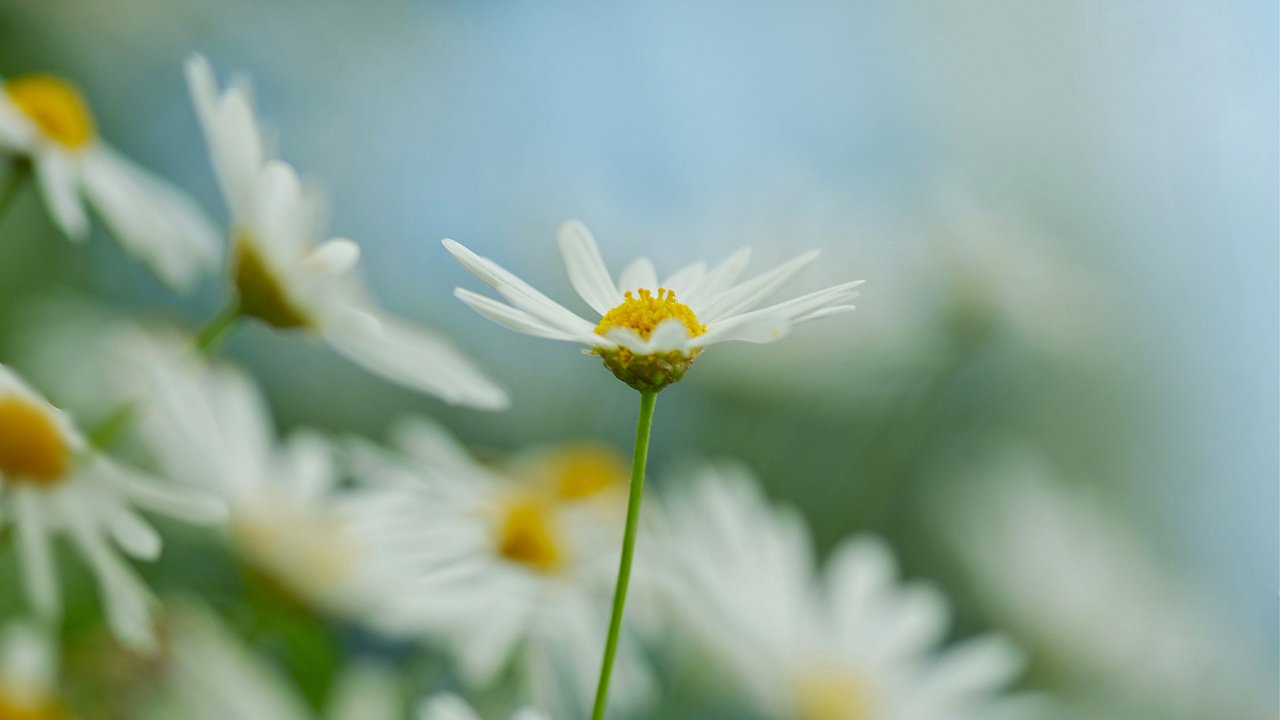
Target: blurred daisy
<point>45,121</point>
<point>209,424</point>
<point>649,332</point>
<point>213,676</point>
<point>504,572</point>
<point>52,481</point>
<point>1069,574</point>
<point>448,706</point>
<point>28,675</point>
<point>288,281</point>
<point>855,644</point>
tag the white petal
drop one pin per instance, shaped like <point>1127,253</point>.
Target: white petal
<point>685,279</point>
<point>628,338</point>
<point>509,317</point>
<point>412,357</point>
<point>972,668</point>
<point>150,218</point>
<point>136,536</point>
<point>334,257</point>
<point>281,216</point>
<point>124,597</point>
<point>60,187</point>
<point>16,131</point>
<point>365,693</point>
<point>586,268</point>
<point>671,334</point>
<point>155,495</point>
<point>744,296</point>
<point>446,707</point>
<point>236,148</point>
<point>519,293</point>
<point>771,323</point>
<point>721,277</point>
<point>35,553</point>
<point>639,274</point>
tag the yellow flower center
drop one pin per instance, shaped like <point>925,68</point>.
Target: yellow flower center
<point>646,311</point>
<point>307,553</point>
<point>527,533</point>
<point>261,295</point>
<point>55,106</point>
<point>577,472</point>
<point>15,708</point>
<point>832,694</point>
<point>32,448</point>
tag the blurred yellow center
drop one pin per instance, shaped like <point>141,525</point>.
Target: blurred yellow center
<point>527,534</point>
<point>308,552</point>
<point>261,294</point>
<point>832,694</point>
<point>32,448</point>
<point>645,311</point>
<point>579,471</point>
<point>55,106</point>
<point>13,708</point>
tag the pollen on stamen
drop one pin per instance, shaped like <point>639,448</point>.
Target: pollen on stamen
<point>643,311</point>
<point>32,448</point>
<point>55,106</point>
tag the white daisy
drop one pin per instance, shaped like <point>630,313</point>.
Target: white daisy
<point>210,425</point>
<point>855,644</point>
<point>646,336</point>
<point>503,571</point>
<point>287,280</point>
<point>52,481</point>
<point>28,675</point>
<point>45,120</point>
<point>213,676</point>
<point>1071,576</point>
<point>447,706</point>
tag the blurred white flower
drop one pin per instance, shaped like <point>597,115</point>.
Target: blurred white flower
<point>213,676</point>
<point>448,706</point>
<point>646,336</point>
<point>855,644</point>
<point>52,481</point>
<point>46,121</point>
<point>28,675</point>
<point>286,280</point>
<point>1074,580</point>
<point>209,425</point>
<point>502,570</point>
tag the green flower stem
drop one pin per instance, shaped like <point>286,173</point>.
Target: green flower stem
<point>212,335</point>
<point>12,183</point>
<point>647,402</point>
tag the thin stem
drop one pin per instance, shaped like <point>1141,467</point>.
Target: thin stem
<point>647,402</point>
<point>12,183</point>
<point>212,335</point>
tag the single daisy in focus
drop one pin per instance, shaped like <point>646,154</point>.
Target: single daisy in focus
<point>210,425</point>
<point>28,675</point>
<point>212,675</point>
<point>505,572</point>
<point>52,481</point>
<point>287,279</point>
<point>46,124</point>
<point>649,332</point>
<point>854,644</point>
<point>448,706</point>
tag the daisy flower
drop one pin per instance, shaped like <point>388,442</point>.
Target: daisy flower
<point>52,481</point>
<point>286,279</point>
<point>28,675</point>
<point>447,706</point>
<point>1040,553</point>
<point>503,571</point>
<point>648,332</point>
<point>210,424</point>
<point>214,676</point>
<point>46,123</point>
<point>853,644</point>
